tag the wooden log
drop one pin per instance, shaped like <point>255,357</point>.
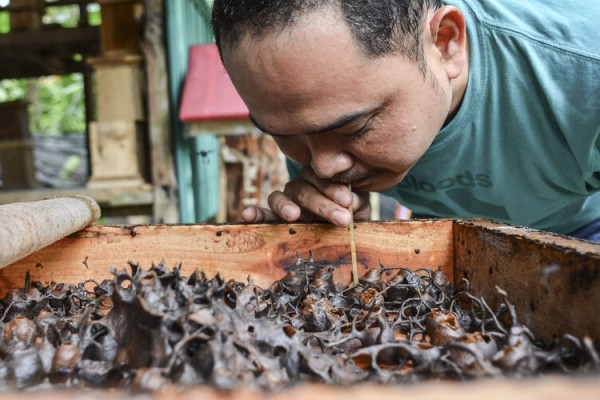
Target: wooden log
<point>31,226</point>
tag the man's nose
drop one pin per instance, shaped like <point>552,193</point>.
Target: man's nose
<point>328,159</point>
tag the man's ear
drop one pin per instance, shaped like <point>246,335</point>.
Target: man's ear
<point>448,33</point>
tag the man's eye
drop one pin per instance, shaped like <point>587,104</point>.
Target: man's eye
<point>359,133</point>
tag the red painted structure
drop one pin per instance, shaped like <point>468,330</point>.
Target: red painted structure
<point>208,94</point>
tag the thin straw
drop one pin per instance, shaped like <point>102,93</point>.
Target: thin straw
<point>353,243</point>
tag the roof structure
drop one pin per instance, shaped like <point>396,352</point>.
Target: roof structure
<point>208,93</point>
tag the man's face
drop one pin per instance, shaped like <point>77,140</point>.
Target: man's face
<point>352,118</point>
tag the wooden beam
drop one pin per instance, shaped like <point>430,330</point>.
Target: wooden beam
<point>47,52</point>
<point>54,3</point>
<point>81,36</point>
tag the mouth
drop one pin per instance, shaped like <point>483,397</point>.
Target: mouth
<point>372,181</point>
<point>360,182</point>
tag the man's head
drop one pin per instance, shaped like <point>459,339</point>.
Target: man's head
<point>380,26</point>
<point>357,90</point>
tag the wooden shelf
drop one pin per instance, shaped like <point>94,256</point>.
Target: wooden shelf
<point>114,201</point>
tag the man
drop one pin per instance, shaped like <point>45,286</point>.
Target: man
<point>467,108</point>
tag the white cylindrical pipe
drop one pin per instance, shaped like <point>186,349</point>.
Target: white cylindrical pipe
<point>30,226</point>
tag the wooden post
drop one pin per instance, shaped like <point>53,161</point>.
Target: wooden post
<point>162,163</point>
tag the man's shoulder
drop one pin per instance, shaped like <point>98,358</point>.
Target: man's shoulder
<point>566,25</point>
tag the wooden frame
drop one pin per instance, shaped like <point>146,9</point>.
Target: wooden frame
<point>554,281</point>
<point>550,278</point>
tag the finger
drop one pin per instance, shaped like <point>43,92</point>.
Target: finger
<point>253,215</point>
<point>282,206</point>
<point>314,202</point>
<point>336,192</point>
<point>361,204</point>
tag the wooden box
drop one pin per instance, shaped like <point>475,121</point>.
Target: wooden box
<point>17,166</point>
<point>554,281</point>
<point>114,152</point>
<point>14,120</point>
<point>253,167</point>
<point>120,29</point>
<point>118,87</point>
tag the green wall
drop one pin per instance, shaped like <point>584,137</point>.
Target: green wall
<point>197,158</point>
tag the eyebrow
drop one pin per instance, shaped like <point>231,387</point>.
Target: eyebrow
<point>338,123</point>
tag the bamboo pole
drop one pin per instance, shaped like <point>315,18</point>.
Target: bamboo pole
<point>30,226</point>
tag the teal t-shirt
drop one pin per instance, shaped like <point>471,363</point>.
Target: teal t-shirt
<point>524,147</point>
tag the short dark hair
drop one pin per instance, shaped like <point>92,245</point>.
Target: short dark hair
<point>380,26</point>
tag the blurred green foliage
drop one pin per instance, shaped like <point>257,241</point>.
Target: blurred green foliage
<point>4,22</point>
<point>57,104</point>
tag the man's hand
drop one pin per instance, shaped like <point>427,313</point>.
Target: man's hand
<point>310,198</point>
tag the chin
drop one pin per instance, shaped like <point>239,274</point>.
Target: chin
<point>386,181</point>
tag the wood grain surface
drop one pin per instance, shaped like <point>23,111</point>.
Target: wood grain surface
<point>548,277</point>
<point>554,281</point>
<point>235,251</point>
<point>547,388</point>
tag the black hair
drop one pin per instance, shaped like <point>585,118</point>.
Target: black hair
<point>380,26</point>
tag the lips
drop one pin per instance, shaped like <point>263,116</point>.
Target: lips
<point>350,177</point>
<point>356,179</point>
<point>359,183</point>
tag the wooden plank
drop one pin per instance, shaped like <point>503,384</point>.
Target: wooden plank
<point>235,251</point>
<point>114,200</point>
<point>47,52</point>
<point>547,388</point>
<point>553,281</point>
<point>52,39</point>
<point>221,128</point>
